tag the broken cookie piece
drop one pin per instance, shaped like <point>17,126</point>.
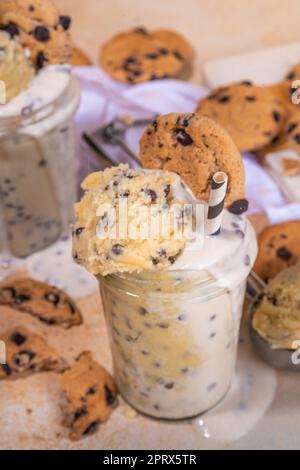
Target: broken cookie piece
<point>47,303</point>
<point>28,353</point>
<point>90,395</point>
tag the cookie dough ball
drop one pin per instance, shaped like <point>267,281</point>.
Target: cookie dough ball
<point>40,28</point>
<point>98,243</point>
<point>15,70</point>
<point>195,147</point>
<point>277,317</point>
<point>278,248</point>
<point>251,114</point>
<point>80,58</point>
<point>140,55</point>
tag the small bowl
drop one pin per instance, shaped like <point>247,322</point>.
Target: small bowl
<point>275,357</point>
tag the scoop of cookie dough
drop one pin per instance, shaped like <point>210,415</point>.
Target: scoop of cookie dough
<point>105,244</point>
<point>15,70</point>
<point>277,317</point>
<point>140,55</point>
<point>253,115</point>
<point>40,28</point>
<point>195,147</point>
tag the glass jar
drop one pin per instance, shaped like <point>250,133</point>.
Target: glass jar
<point>37,174</point>
<point>174,337</point>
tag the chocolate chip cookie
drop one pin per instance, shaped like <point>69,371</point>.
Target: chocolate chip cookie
<point>140,55</point>
<point>278,248</point>
<point>252,115</point>
<point>47,303</point>
<point>28,353</point>
<point>90,395</point>
<point>195,147</point>
<point>40,28</point>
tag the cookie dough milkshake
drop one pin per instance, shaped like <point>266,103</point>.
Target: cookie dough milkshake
<point>172,305</point>
<point>37,143</point>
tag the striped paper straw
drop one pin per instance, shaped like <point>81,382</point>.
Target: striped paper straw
<point>216,203</point>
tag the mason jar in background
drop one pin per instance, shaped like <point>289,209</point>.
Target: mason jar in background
<point>37,174</point>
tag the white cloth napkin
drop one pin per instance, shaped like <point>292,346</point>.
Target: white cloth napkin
<point>102,99</point>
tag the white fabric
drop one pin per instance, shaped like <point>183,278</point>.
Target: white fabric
<point>103,99</point>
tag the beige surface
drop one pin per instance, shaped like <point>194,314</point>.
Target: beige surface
<point>214,27</point>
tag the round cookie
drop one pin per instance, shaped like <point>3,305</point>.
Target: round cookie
<point>251,114</point>
<point>195,147</point>
<point>278,248</point>
<point>40,28</point>
<point>79,58</point>
<point>139,55</point>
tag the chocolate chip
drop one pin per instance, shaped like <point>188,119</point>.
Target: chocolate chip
<point>178,55</point>
<point>276,116</point>
<point>80,412</point>
<point>169,385</point>
<point>141,30</point>
<point>52,297</point>
<point>275,139</point>
<point>65,21</point>
<point>250,98</point>
<point>162,253</point>
<point>142,311</point>
<point>239,206</point>
<point>296,138</point>
<point>291,76</point>
<point>291,127</point>
<point>40,60</point>
<point>181,317</point>
<point>117,249</point>
<point>91,428</point>
<point>7,369</point>
<point>79,231</point>
<point>163,51</point>
<point>183,138</point>
<point>151,193</point>
<point>31,8</point>
<point>11,28</point>
<point>283,253</point>
<point>271,299</point>
<point>18,338</point>
<point>164,326</point>
<point>109,396</point>
<point>154,124</point>
<point>130,60</point>
<point>125,193</point>
<point>223,99</point>
<point>247,83</point>
<point>20,299</point>
<point>151,55</point>
<point>91,390</point>
<point>24,358</point>
<point>41,33</point>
